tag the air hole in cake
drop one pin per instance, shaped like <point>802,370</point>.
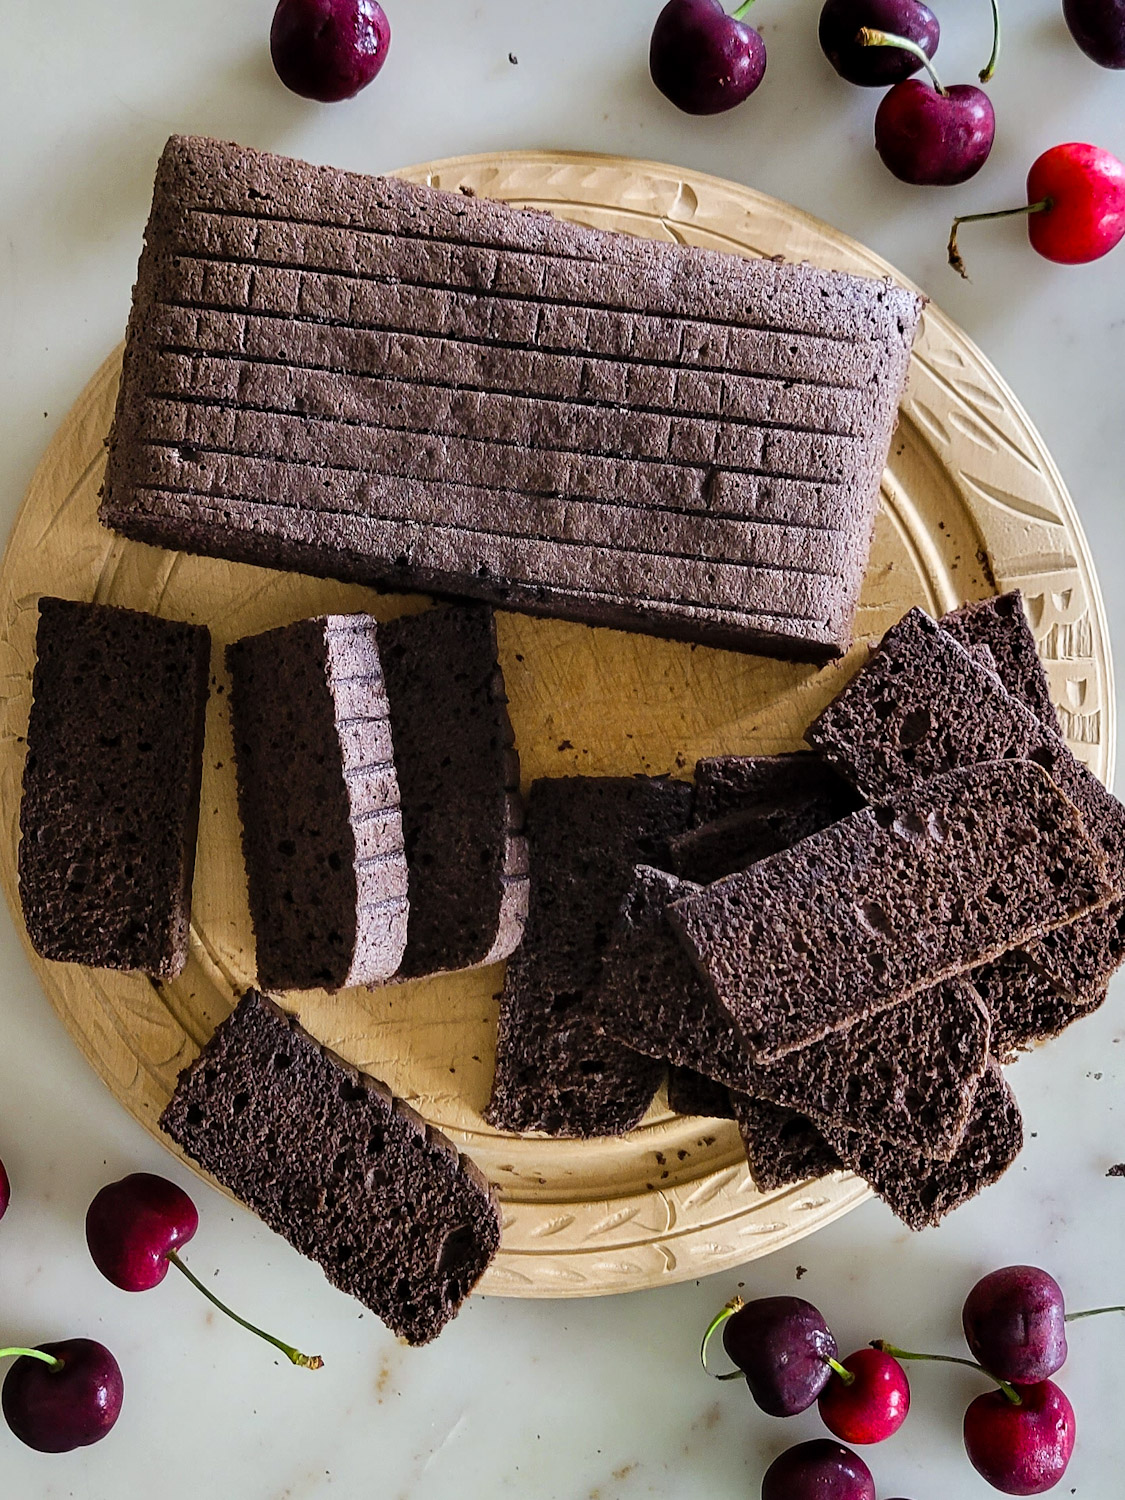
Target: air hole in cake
<point>281,1061</point>
<point>455,1249</point>
<point>239,1103</point>
<point>352,1090</point>
<point>194,1115</point>
<point>288,848</point>
<point>914,728</point>
<point>911,826</point>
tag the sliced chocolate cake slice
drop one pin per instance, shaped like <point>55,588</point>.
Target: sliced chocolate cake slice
<point>891,900</point>
<point>458,777</point>
<point>330,1160</point>
<point>319,801</point>
<point>111,786</point>
<point>1001,624</point>
<point>373,380</point>
<point>554,1071</point>
<point>783,1148</point>
<point>1027,1007</point>
<point>908,1075</point>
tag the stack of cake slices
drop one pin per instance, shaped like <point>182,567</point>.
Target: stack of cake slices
<point>843,947</point>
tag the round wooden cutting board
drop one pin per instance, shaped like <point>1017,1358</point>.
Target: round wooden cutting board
<point>972,505</point>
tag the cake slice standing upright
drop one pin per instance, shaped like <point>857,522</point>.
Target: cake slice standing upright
<point>111,786</point>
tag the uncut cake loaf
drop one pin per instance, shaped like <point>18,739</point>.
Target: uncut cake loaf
<point>373,380</point>
<point>891,900</point>
<point>555,1072</point>
<point>111,786</point>
<point>319,802</point>
<point>459,778</point>
<point>349,1175</point>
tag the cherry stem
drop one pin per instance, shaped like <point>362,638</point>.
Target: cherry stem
<point>989,68</point>
<point>306,1361</point>
<point>734,1305</point>
<point>743,9</point>
<point>950,1359</point>
<point>846,1375</point>
<point>868,37</point>
<point>1092,1312</point>
<point>48,1359</point>
<point>953,251</point>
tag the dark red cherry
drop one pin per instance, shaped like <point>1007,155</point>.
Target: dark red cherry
<point>935,139</point>
<point>703,59</point>
<point>876,67</point>
<point>133,1224</point>
<point>1021,1450</point>
<point>1098,26</point>
<point>68,1403</point>
<point>782,1345</point>
<point>873,1406</point>
<point>1015,1324</point>
<point>329,49</point>
<point>5,1191</point>
<point>819,1470</point>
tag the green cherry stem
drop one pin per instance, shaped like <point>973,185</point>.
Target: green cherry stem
<point>48,1359</point>
<point>294,1356</point>
<point>950,1359</point>
<point>953,251</point>
<point>989,68</point>
<point>1091,1312</point>
<point>743,10</point>
<point>847,1376</point>
<point>869,37</point>
<point>734,1305</point>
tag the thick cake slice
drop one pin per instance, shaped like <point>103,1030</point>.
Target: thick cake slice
<point>349,1175</point>
<point>921,1192</point>
<point>783,1148</point>
<point>459,778</point>
<point>891,900</point>
<point>319,801</point>
<point>111,786</point>
<point>802,787</point>
<point>922,706</point>
<point>554,1071</point>
<point>908,1075</point>
<point>373,380</point>
<point>1001,624</point>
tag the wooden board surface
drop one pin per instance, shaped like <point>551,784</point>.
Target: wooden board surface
<point>972,505</point>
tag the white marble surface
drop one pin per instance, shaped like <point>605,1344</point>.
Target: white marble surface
<point>581,1399</point>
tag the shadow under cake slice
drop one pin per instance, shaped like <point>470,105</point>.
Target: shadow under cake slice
<point>554,1071</point>
<point>891,900</point>
<point>691,1093</point>
<point>458,776</point>
<point>319,801</point>
<point>801,786</point>
<point>111,783</point>
<point>352,1177</point>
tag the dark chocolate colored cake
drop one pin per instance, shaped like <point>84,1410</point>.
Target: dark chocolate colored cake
<point>373,380</point>
<point>111,786</point>
<point>349,1175</point>
<point>783,1148</point>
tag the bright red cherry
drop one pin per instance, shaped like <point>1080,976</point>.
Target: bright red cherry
<point>819,1470</point>
<point>133,1225</point>
<point>873,1406</point>
<point>876,67</point>
<point>329,49</point>
<point>5,1191</point>
<point>703,59</point>
<point>1021,1450</point>
<point>62,1396</point>
<point>1075,206</point>
<point>1015,1324</point>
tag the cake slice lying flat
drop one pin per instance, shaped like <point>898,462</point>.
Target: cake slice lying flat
<point>111,786</point>
<point>554,1071</point>
<point>319,801</point>
<point>349,1175</point>
<point>374,380</point>
<point>459,777</point>
<point>922,706</point>
<point>891,900</point>
<point>783,1148</point>
<point>908,1075</point>
<point>1002,625</point>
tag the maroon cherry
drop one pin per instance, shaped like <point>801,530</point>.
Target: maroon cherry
<point>1021,1449</point>
<point>134,1228</point>
<point>62,1396</point>
<point>329,49</point>
<point>1015,1324</point>
<point>783,1347</point>
<point>5,1191</point>
<point>1098,26</point>
<point>872,1405</point>
<point>876,67</point>
<point>703,59</point>
<point>819,1470</point>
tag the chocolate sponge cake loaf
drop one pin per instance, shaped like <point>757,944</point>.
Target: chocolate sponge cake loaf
<point>458,777</point>
<point>890,901</point>
<point>349,1175</point>
<point>111,786</point>
<point>373,380</point>
<point>319,801</point>
<point>554,1071</point>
